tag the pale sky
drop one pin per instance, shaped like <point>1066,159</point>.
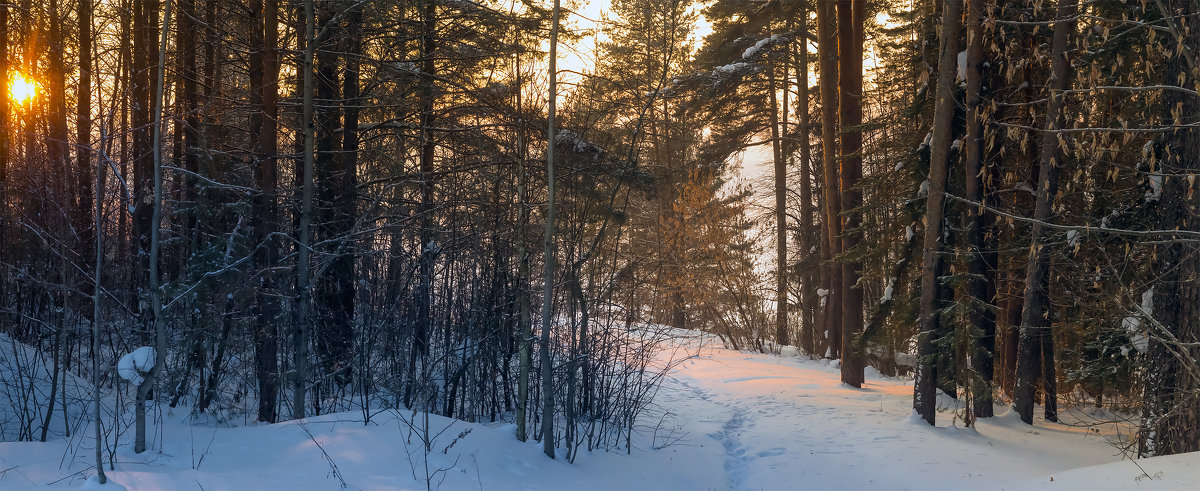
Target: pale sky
<point>578,56</point>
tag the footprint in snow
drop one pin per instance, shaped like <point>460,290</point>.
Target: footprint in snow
<point>735,452</point>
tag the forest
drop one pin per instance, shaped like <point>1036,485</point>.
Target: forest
<point>504,211</point>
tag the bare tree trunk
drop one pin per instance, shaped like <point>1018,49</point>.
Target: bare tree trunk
<point>1171,402</point>
<point>60,153</point>
<point>83,126</point>
<point>851,18</point>
<point>926,377</point>
<point>424,321</point>
<point>827,47</point>
<point>811,259</point>
<point>524,329</point>
<point>346,201</point>
<point>304,297</point>
<point>1036,336</point>
<point>333,290</point>
<point>781,262</point>
<point>56,350</point>
<point>981,273</point>
<point>824,343</point>
<point>1008,334</point>
<point>266,308</point>
<point>145,20</point>
<point>185,90</point>
<point>143,169</point>
<point>96,292</point>
<point>548,287</point>
<point>156,304</point>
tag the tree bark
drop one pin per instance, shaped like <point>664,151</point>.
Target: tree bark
<point>83,139</point>
<point>4,148</point>
<point>981,272</point>
<point>925,383</point>
<point>304,295</point>
<point>57,142</point>
<point>811,259</point>
<point>424,321</point>
<point>548,287</point>
<point>524,328</point>
<point>851,18</point>
<point>1009,333</point>
<point>145,21</point>
<point>333,294</point>
<point>345,202</point>
<point>827,48</point>
<point>781,292</point>
<point>264,209</point>
<point>1171,401</point>
<point>156,303</point>
<point>1036,337</point>
<point>96,292</point>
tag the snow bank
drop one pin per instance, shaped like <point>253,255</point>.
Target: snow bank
<point>723,420</point>
<point>1169,472</point>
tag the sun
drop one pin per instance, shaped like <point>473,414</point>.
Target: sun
<point>21,89</point>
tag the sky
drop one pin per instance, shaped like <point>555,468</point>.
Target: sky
<point>577,56</point>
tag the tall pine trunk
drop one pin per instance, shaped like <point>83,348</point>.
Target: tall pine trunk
<point>83,138</point>
<point>346,195</point>
<point>60,161</point>
<point>807,244</point>
<point>981,271</point>
<point>548,286</point>
<point>925,383</point>
<point>827,48</point>
<point>333,294</point>
<point>4,149</point>
<point>851,18</point>
<point>304,296</point>
<point>264,209</point>
<point>424,301</point>
<point>1171,402</point>
<point>145,20</point>
<point>781,292</point>
<point>1035,335</point>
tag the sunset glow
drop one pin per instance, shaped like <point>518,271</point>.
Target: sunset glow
<point>21,89</point>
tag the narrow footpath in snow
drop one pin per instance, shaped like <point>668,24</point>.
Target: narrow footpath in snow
<point>789,422</point>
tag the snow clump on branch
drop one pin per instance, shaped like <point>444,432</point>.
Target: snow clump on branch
<point>136,365</point>
<point>753,50</point>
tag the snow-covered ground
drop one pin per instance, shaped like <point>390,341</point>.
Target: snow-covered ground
<point>725,420</point>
